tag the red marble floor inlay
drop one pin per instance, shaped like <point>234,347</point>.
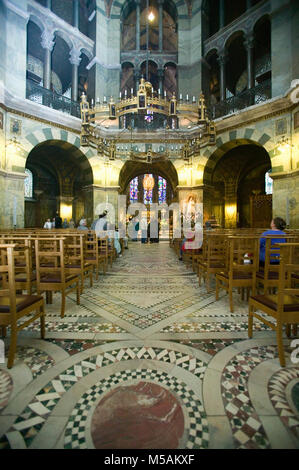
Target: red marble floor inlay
<point>142,416</point>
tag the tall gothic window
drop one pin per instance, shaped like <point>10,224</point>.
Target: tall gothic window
<point>268,183</point>
<point>162,186</point>
<point>28,184</point>
<point>134,190</point>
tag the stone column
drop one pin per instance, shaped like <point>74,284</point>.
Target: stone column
<point>161,80</point>
<point>136,79</point>
<point>75,61</point>
<point>249,45</point>
<point>248,4</point>
<point>47,44</point>
<point>222,59</point>
<point>160,3</point>
<point>49,4</point>
<point>221,14</point>
<point>76,13</point>
<point>137,24</point>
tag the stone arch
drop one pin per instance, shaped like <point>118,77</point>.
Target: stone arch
<point>131,169</point>
<point>37,21</point>
<point>259,135</point>
<point>48,133</point>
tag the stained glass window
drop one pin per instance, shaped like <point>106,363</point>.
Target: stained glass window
<point>268,183</point>
<point>162,185</point>
<point>134,190</point>
<point>28,183</point>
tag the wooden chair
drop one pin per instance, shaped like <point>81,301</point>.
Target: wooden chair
<point>267,275</point>
<point>74,259</point>
<point>103,252</point>
<point>283,307</point>
<point>50,271</point>
<point>14,307</point>
<point>242,261</point>
<point>25,278</point>
<point>213,259</point>
<point>91,251</point>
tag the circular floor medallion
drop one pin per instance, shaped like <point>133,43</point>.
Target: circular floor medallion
<point>140,416</point>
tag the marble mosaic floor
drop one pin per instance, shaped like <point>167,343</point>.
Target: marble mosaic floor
<point>149,360</point>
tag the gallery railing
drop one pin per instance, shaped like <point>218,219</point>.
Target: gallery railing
<point>51,99</point>
<point>258,94</point>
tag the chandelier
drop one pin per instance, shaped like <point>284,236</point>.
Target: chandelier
<point>148,104</point>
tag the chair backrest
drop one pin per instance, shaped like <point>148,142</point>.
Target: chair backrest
<point>91,245</point>
<point>103,245</point>
<point>288,267</point>
<point>216,250</point>
<point>74,248</point>
<point>243,254</point>
<point>50,256</point>
<point>7,271</point>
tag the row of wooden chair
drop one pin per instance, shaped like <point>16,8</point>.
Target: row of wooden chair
<point>233,259</point>
<point>45,262</point>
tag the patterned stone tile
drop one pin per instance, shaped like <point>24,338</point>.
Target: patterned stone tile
<point>198,432</point>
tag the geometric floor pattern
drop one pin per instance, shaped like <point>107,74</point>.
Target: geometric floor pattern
<point>147,321</point>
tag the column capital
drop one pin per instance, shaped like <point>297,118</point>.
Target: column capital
<point>47,40</point>
<point>222,57</point>
<point>75,56</point>
<point>249,41</point>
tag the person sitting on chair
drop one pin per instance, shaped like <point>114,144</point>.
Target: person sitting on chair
<point>277,226</point>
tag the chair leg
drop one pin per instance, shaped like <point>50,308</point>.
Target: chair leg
<point>231,303</point>
<point>250,320</point>
<point>280,344</point>
<point>42,323</point>
<point>288,330</point>
<point>62,303</point>
<point>78,294</point>
<point>217,289</point>
<point>12,346</point>
<point>3,331</point>
<point>295,329</point>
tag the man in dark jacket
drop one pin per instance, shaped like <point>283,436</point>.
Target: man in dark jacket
<point>58,221</point>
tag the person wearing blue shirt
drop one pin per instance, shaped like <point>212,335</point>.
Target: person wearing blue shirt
<point>277,227</point>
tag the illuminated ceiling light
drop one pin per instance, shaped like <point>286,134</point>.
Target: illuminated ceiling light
<point>151,16</point>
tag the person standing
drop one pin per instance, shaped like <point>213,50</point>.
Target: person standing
<point>48,224</point>
<point>58,220</point>
<point>143,228</point>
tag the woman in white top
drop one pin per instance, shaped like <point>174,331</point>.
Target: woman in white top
<point>48,224</point>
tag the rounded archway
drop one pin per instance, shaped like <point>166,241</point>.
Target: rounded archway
<point>132,169</point>
<point>235,185</point>
<point>60,173</point>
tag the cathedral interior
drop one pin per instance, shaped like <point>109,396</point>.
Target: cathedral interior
<point>148,102</point>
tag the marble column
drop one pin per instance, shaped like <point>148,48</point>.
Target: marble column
<point>221,14</point>
<point>222,59</point>
<point>47,44</point>
<point>160,3</point>
<point>136,79</point>
<point>137,24</point>
<point>248,4</point>
<point>49,4</point>
<point>75,61</point>
<point>249,45</point>
<point>76,13</point>
<point>161,80</point>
